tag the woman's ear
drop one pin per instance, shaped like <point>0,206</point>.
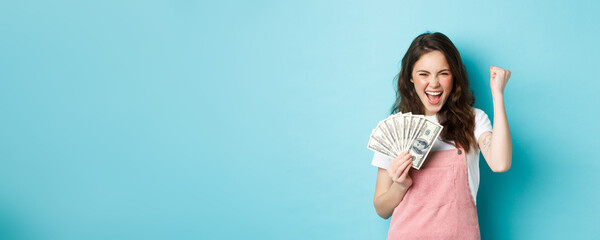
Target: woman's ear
<point>411,80</point>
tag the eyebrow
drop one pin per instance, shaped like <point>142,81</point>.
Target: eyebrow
<point>428,71</point>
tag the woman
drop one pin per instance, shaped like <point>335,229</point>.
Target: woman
<point>438,201</point>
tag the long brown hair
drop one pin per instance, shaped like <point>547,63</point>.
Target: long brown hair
<point>456,115</point>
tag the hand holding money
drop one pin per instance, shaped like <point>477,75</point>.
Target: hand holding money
<point>398,169</point>
<point>405,132</point>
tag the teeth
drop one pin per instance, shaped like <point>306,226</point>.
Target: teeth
<point>433,93</point>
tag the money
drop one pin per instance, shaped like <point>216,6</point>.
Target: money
<point>405,132</point>
<point>423,142</point>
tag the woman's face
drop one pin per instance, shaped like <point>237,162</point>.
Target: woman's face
<point>433,81</point>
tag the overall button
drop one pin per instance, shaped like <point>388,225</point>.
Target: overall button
<point>459,152</point>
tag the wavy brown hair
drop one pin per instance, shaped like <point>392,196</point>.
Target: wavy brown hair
<point>456,115</point>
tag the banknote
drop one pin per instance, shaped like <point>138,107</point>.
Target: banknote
<point>379,142</point>
<point>405,132</point>
<point>423,142</point>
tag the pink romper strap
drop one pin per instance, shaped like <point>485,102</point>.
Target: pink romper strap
<point>439,204</point>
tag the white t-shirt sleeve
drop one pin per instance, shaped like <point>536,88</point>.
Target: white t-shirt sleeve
<point>380,160</point>
<point>482,123</point>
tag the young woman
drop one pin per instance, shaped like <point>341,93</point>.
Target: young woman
<point>438,201</point>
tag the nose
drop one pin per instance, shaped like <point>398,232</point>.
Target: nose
<point>434,81</point>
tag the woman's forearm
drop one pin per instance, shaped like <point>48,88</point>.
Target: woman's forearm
<point>501,140</point>
<point>387,202</point>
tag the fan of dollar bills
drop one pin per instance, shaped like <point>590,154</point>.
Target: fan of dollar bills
<point>405,132</point>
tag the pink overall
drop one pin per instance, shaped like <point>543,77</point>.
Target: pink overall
<point>439,204</point>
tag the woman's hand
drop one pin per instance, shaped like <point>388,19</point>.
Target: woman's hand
<point>398,169</point>
<point>498,79</point>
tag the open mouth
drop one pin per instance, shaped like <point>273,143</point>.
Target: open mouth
<point>433,97</point>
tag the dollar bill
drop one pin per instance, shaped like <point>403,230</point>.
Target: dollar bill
<point>379,142</point>
<point>399,123</point>
<point>412,128</point>
<point>423,142</point>
<point>406,129</point>
<point>420,119</point>
<point>393,134</point>
<point>386,136</point>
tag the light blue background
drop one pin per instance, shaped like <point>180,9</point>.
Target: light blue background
<point>249,119</point>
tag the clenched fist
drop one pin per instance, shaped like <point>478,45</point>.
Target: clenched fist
<point>498,79</point>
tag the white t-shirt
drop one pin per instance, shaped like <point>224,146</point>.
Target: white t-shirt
<point>482,124</point>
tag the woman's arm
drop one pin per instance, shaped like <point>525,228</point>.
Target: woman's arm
<point>496,146</point>
<point>392,185</point>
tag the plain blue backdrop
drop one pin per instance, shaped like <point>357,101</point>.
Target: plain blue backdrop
<point>249,119</point>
